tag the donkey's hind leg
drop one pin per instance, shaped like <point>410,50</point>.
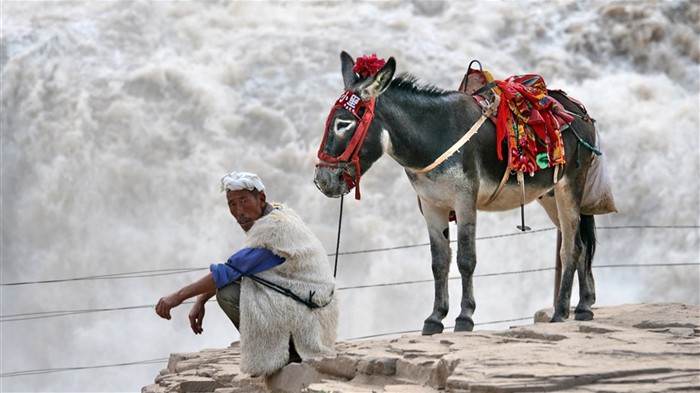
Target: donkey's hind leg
<point>438,231</point>
<point>585,274</point>
<point>571,249</point>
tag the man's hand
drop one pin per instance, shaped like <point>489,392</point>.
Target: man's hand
<point>197,317</point>
<point>205,287</point>
<point>166,303</point>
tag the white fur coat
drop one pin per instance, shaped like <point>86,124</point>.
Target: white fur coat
<point>269,318</point>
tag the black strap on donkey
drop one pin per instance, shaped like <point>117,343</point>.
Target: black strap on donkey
<point>310,303</point>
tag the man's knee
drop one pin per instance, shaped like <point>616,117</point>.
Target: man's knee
<point>229,298</point>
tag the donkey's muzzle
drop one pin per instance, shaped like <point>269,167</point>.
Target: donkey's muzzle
<point>330,181</point>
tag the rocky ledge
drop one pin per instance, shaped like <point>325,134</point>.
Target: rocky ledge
<point>628,348</point>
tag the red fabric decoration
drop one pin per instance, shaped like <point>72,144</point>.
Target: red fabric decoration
<point>531,122</point>
<point>368,65</point>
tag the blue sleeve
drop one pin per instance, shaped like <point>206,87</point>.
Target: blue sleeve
<point>244,262</point>
<point>223,275</point>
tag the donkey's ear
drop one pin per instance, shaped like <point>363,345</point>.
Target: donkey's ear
<point>347,64</point>
<point>376,85</point>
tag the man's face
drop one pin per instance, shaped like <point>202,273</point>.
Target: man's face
<point>246,206</point>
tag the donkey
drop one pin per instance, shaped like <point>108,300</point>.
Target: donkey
<point>415,123</point>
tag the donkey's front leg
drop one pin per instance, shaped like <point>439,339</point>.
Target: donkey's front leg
<point>439,232</point>
<point>466,263</point>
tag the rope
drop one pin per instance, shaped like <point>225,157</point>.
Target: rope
<point>584,143</point>
<point>337,242</point>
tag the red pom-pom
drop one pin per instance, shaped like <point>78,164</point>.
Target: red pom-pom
<point>368,65</point>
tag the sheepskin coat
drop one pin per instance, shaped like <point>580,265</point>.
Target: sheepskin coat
<point>269,318</point>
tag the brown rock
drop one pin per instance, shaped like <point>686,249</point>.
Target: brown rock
<point>628,348</point>
<point>293,378</point>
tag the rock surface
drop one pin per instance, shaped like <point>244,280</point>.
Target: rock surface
<point>628,348</point>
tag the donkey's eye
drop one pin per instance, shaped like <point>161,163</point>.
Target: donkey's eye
<point>343,126</point>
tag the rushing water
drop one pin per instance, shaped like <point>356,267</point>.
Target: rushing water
<point>118,119</point>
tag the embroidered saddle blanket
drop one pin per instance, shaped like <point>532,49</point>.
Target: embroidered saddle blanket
<point>528,118</point>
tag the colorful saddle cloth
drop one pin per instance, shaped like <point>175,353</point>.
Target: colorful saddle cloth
<point>527,116</point>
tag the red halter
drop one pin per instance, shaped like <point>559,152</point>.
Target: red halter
<point>351,155</point>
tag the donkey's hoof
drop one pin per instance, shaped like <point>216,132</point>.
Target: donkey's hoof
<point>464,325</point>
<point>557,318</point>
<point>583,315</point>
<point>430,328</point>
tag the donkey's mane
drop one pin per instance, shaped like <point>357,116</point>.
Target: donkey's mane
<point>410,83</point>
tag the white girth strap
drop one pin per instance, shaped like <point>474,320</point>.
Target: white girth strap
<point>457,144</point>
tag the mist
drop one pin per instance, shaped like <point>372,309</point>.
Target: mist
<point>119,118</point>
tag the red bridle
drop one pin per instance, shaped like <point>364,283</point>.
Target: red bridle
<point>351,154</point>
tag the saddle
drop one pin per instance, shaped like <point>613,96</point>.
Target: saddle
<point>527,117</point>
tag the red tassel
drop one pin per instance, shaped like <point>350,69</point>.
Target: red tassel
<point>368,65</point>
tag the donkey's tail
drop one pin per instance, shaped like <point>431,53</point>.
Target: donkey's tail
<point>586,231</point>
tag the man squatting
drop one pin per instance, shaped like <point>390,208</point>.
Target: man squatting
<point>278,290</point>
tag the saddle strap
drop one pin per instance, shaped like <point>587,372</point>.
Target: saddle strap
<point>454,147</point>
<point>472,131</point>
<point>506,175</point>
<point>500,186</point>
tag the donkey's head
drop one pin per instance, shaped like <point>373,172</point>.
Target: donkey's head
<point>351,141</point>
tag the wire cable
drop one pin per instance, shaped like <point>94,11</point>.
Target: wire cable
<point>62,369</point>
<point>171,271</point>
<point>163,360</point>
<point>446,327</point>
<point>163,272</point>
<point>50,314</point>
<point>114,276</point>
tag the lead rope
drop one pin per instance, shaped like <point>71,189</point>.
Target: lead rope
<point>337,243</point>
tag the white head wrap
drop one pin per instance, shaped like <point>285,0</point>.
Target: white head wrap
<point>236,181</point>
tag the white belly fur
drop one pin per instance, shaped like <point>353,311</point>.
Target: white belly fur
<point>444,192</point>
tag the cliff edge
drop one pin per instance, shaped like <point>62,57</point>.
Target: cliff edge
<point>627,348</point>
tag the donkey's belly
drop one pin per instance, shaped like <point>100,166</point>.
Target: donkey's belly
<point>440,194</point>
<point>447,190</point>
<point>508,198</point>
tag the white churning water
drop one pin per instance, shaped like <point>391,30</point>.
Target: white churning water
<point>118,119</point>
